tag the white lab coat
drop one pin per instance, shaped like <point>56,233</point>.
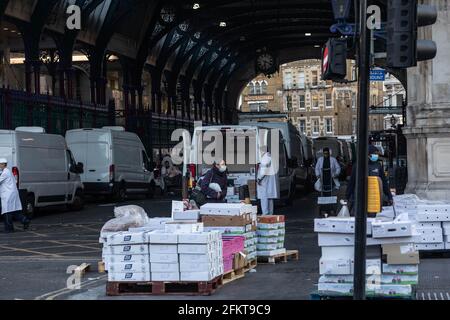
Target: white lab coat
<point>335,172</point>
<point>8,192</point>
<point>270,184</point>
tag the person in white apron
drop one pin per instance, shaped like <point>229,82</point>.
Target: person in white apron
<point>11,205</point>
<point>268,185</point>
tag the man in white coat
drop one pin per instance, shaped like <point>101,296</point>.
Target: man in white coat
<point>268,184</point>
<point>11,205</point>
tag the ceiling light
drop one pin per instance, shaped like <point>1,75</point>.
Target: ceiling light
<point>317,46</point>
<point>6,29</point>
<point>308,34</point>
<point>223,24</point>
<point>196,6</point>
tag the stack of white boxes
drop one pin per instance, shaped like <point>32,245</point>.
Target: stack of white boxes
<point>271,236</point>
<point>336,239</point>
<point>432,221</point>
<point>126,257</point>
<point>235,209</point>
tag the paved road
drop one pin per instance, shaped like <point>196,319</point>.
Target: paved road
<point>33,265</point>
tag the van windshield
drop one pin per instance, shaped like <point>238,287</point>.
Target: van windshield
<point>6,152</point>
<point>237,147</point>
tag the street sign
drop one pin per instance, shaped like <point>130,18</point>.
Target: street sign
<point>377,75</point>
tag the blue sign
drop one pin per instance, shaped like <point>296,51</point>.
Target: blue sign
<point>377,75</point>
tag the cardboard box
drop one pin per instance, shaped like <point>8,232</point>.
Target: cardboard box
<point>338,240</point>
<point>271,226</point>
<point>164,248</point>
<point>228,230</point>
<point>126,258</point>
<point>398,254</point>
<point>227,221</point>
<point>371,279</point>
<point>224,209</point>
<point>183,227</point>
<point>430,246</point>
<point>433,213</point>
<point>339,225</point>
<point>446,225</point>
<point>195,248</point>
<point>267,246</point>
<point>270,233</point>
<point>430,238</point>
<point>129,277</point>
<point>127,238</point>
<point>400,279</point>
<point>127,249</point>
<point>267,240</point>
<point>163,258</point>
<point>123,267</point>
<point>199,238</point>
<point>165,276</point>
<point>346,266</point>
<point>446,232</point>
<point>271,219</point>
<point>197,276</point>
<point>189,215</point>
<point>391,229</point>
<point>429,224</point>
<point>197,266</point>
<point>333,253</point>
<point>396,269</point>
<point>197,258</point>
<point>429,231</point>
<point>161,237</point>
<point>393,290</point>
<point>165,267</point>
<point>345,289</point>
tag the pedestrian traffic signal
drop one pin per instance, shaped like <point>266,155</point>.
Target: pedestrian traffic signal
<point>404,50</point>
<point>334,60</point>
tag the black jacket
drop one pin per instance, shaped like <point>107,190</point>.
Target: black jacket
<point>375,170</point>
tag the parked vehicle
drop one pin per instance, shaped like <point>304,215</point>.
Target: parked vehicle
<point>116,162</point>
<point>44,167</point>
<point>246,171</point>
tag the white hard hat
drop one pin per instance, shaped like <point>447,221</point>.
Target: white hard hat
<point>3,160</point>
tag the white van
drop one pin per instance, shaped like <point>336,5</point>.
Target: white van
<point>240,174</point>
<point>115,162</point>
<point>44,168</point>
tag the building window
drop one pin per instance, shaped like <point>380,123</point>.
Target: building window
<point>302,126</point>
<point>315,102</point>
<point>329,100</point>
<point>264,87</point>
<point>354,126</point>
<point>315,127</point>
<point>251,88</point>
<point>287,80</point>
<point>301,80</point>
<point>315,79</point>
<point>302,102</point>
<point>257,88</point>
<point>258,107</point>
<point>399,100</point>
<point>329,125</point>
<point>374,101</point>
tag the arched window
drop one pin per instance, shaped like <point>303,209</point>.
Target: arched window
<point>258,88</point>
<point>264,87</point>
<point>252,88</point>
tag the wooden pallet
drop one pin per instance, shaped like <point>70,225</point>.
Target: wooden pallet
<point>157,288</point>
<point>281,258</point>
<point>233,275</point>
<point>250,265</point>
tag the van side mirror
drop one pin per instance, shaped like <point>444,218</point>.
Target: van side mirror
<point>77,168</point>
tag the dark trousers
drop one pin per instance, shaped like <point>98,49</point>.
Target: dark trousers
<point>10,217</point>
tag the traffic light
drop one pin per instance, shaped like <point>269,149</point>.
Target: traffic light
<point>334,60</point>
<point>404,19</point>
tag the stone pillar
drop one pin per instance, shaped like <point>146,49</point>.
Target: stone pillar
<point>428,115</point>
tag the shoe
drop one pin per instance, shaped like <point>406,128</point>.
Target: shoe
<point>26,225</point>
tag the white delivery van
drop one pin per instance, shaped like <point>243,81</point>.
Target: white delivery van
<point>242,162</point>
<point>115,162</point>
<point>44,168</point>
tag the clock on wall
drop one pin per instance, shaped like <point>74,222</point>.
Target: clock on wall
<point>266,63</point>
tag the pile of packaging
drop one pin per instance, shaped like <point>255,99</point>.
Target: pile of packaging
<point>392,261</point>
<point>271,235</point>
<point>431,219</point>
<point>233,220</point>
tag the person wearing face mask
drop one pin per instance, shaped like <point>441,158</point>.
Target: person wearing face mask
<point>217,175</point>
<point>11,205</point>
<point>375,169</point>
<point>327,171</point>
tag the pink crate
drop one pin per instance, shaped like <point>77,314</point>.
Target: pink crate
<point>228,263</point>
<point>232,245</point>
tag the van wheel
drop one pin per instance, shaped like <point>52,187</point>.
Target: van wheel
<point>151,190</point>
<point>30,209</point>
<point>121,193</point>
<point>78,202</point>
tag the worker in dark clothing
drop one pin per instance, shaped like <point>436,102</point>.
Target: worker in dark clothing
<point>214,184</point>
<point>375,170</point>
